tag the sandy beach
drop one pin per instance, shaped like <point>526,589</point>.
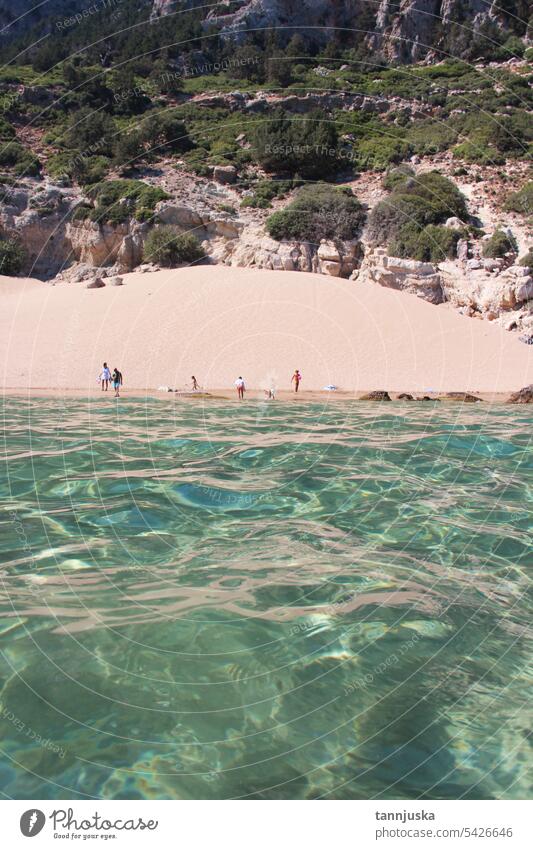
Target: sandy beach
<point>218,323</point>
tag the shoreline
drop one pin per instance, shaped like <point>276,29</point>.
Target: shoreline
<point>254,395</point>
<point>217,323</point>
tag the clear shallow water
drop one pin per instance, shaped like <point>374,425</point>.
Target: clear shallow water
<point>265,601</point>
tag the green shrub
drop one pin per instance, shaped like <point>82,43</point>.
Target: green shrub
<point>74,166</point>
<point>166,132</point>
<point>415,201</point>
<point>6,130</point>
<point>444,196</point>
<point>166,246</point>
<point>90,132</point>
<point>307,146</point>
<point>397,176</point>
<point>478,153</point>
<point>318,212</point>
<point>13,155</point>
<point>432,244</point>
<point>265,191</point>
<point>117,200</point>
<point>12,256</point>
<point>499,244</point>
<point>521,201</point>
<point>378,152</point>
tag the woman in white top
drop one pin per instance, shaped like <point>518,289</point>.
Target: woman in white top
<point>105,377</point>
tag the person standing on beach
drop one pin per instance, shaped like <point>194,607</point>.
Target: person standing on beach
<point>296,378</point>
<point>239,383</point>
<point>195,386</point>
<point>117,382</point>
<point>105,377</point>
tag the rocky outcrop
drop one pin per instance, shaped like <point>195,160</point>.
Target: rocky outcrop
<point>37,212</point>
<point>225,173</point>
<point>255,249</point>
<point>523,396</point>
<point>97,244</point>
<point>407,275</point>
<point>376,396</point>
<point>261,102</point>
<point>490,290</point>
<point>405,32</point>
<point>464,397</point>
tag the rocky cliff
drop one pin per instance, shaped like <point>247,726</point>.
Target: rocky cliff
<point>409,31</point>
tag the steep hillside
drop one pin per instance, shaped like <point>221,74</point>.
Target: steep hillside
<point>407,32</point>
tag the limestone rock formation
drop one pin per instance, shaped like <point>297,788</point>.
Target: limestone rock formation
<point>406,32</point>
<point>407,275</point>
<point>523,396</point>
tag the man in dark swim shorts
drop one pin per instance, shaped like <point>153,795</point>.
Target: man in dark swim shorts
<point>117,381</point>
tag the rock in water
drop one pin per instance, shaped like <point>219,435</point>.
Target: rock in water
<point>523,396</point>
<point>466,397</point>
<point>376,396</point>
<point>405,396</point>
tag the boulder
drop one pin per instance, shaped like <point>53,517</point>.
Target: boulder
<point>97,283</point>
<point>524,290</point>
<point>454,223</point>
<point>332,268</point>
<point>462,250</point>
<point>115,281</point>
<point>329,252</point>
<point>379,395</point>
<point>523,396</point>
<point>225,174</point>
<point>408,266</point>
<point>464,397</point>
<point>405,396</point>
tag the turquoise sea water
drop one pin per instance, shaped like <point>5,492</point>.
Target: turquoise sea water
<point>265,601</point>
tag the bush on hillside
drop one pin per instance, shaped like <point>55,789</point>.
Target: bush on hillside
<point>499,244</point>
<point>90,132</point>
<point>318,212</point>
<point>432,244</point>
<point>397,176</point>
<point>415,201</point>
<point>444,196</point>
<point>521,201</point>
<point>166,246</point>
<point>12,256</point>
<point>117,200</point>
<point>307,146</point>
<point>20,160</point>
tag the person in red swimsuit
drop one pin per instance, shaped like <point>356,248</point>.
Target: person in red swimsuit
<point>239,383</point>
<point>296,378</point>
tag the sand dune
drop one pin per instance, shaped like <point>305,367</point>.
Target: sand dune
<point>218,323</point>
